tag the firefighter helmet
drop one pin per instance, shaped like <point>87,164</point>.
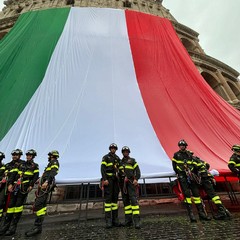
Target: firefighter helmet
<point>17,152</point>
<point>113,145</point>
<point>125,148</point>
<point>182,142</point>
<point>2,155</point>
<point>31,152</point>
<point>54,153</point>
<point>236,148</point>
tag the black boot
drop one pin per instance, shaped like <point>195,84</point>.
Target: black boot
<point>202,215</point>
<point>37,229</point>
<point>108,219</point>
<point>128,220</point>
<point>13,227</point>
<point>190,213</point>
<point>6,223</point>
<point>136,219</point>
<point>115,220</point>
<point>221,213</point>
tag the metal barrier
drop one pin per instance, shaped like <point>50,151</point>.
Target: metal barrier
<point>149,188</point>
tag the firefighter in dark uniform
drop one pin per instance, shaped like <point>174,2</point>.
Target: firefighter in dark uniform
<point>181,162</point>
<point>234,162</point>
<point>206,181</point>
<point>2,184</point>
<point>25,179</point>
<point>46,185</point>
<point>129,173</point>
<point>109,172</point>
<point>12,170</point>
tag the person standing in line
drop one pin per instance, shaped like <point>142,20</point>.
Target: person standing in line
<point>46,185</point>
<point>129,173</point>
<point>109,171</point>
<point>181,163</point>
<point>2,185</point>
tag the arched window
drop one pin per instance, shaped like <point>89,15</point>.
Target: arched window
<point>234,89</point>
<point>215,85</point>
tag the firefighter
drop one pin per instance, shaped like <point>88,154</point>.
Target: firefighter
<point>12,171</point>
<point>2,184</point>
<point>181,162</point>
<point>234,162</point>
<point>129,173</point>
<point>27,176</point>
<point>46,185</point>
<point>109,172</point>
<point>207,182</point>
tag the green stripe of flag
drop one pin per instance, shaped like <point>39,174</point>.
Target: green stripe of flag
<point>24,56</point>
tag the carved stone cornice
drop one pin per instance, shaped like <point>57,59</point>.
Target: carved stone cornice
<point>213,64</point>
<point>184,30</point>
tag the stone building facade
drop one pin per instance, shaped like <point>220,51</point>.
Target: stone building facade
<point>222,78</point>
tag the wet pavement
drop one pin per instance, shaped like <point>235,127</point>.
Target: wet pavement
<point>154,226</point>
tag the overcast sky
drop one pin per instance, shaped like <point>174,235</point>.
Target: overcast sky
<point>216,21</point>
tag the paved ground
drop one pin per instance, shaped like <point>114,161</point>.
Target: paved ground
<point>172,226</point>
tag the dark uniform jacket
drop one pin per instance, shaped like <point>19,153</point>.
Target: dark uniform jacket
<point>181,161</point>
<point>29,173</point>
<point>2,171</point>
<point>50,171</point>
<point>129,168</point>
<point>200,167</point>
<point>12,169</point>
<point>109,166</point>
<point>234,163</point>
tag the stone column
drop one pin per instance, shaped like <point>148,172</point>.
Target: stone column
<point>226,87</point>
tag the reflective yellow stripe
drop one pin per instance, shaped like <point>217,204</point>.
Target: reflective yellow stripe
<point>108,207</point>
<point>179,168</point>
<point>231,162</point>
<point>20,172</point>
<point>110,174</point>
<point>2,168</point>
<point>217,200</point>
<point>197,200</point>
<point>107,204</point>
<point>121,167</point>
<point>48,169</point>
<point>28,173</point>
<point>41,212</point>
<point>107,164</point>
<point>129,167</point>
<point>14,170</point>
<point>25,181</point>
<point>1,210</point>
<point>128,211</point>
<point>237,165</point>
<point>136,212</point>
<point>135,165</point>
<point>114,206</point>
<point>11,210</point>
<point>54,166</point>
<point>188,200</point>
<point>35,171</point>
<point>18,209</point>
<point>135,207</point>
<point>178,161</point>
<point>128,207</point>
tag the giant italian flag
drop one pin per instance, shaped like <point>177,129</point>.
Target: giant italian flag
<point>78,79</point>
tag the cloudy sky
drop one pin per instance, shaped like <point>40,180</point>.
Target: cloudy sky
<point>217,22</point>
